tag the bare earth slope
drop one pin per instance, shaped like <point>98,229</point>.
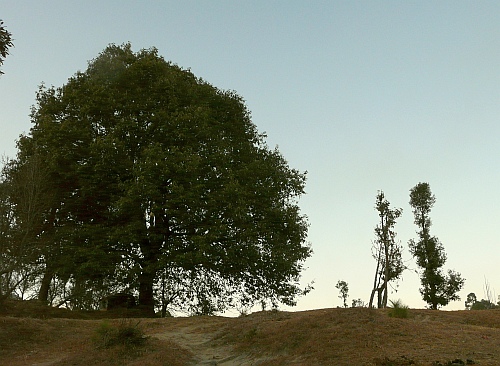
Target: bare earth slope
<point>320,337</point>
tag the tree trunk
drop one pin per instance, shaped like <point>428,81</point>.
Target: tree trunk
<point>146,294</point>
<point>376,280</point>
<point>43,292</point>
<point>384,298</point>
<point>371,298</point>
<point>151,253</point>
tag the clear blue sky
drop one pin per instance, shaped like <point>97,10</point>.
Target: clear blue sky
<point>364,95</point>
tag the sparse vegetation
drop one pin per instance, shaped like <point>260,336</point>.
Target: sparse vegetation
<point>358,303</point>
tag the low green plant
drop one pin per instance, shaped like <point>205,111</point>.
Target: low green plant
<point>251,334</point>
<point>124,333</point>
<point>398,309</point>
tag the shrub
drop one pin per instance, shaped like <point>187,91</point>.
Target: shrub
<point>125,334</point>
<point>398,309</point>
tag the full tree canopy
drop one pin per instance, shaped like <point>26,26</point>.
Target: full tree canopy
<point>161,184</point>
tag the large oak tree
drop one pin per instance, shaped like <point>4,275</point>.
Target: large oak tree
<point>160,179</point>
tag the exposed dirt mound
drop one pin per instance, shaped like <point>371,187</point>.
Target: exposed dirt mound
<point>319,337</point>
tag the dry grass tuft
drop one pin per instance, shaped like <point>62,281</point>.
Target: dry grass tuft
<point>126,333</point>
<point>398,309</point>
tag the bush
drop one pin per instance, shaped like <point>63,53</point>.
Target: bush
<point>125,334</point>
<point>398,309</point>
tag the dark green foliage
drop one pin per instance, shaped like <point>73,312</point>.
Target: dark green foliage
<point>5,43</point>
<point>473,304</point>
<point>483,305</point>
<point>437,288</point>
<point>161,184</point>
<point>386,251</point>
<point>471,300</point>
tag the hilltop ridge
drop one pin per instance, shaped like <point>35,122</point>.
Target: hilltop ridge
<point>354,336</point>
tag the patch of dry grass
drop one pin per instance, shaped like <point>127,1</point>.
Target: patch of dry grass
<point>356,336</point>
<point>365,337</point>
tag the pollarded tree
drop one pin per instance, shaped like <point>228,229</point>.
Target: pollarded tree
<point>437,289</point>
<point>158,175</point>
<point>386,251</point>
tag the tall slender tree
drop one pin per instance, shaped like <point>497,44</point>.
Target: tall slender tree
<point>437,288</point>
<point>386,251</point>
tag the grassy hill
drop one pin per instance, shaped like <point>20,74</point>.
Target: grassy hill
<point>31,334</point>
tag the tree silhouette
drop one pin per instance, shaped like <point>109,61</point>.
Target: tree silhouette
<point>386,251</point>
<point>437,289</point>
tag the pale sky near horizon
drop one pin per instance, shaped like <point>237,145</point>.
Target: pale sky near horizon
<point>364,95</point>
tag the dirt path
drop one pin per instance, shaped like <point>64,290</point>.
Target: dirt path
<point>205,345</point>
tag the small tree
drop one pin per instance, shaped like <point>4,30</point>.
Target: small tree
<point>437,289</point>
<point>343,288</point>
<point>386,251</point>
<point>471,300</point>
